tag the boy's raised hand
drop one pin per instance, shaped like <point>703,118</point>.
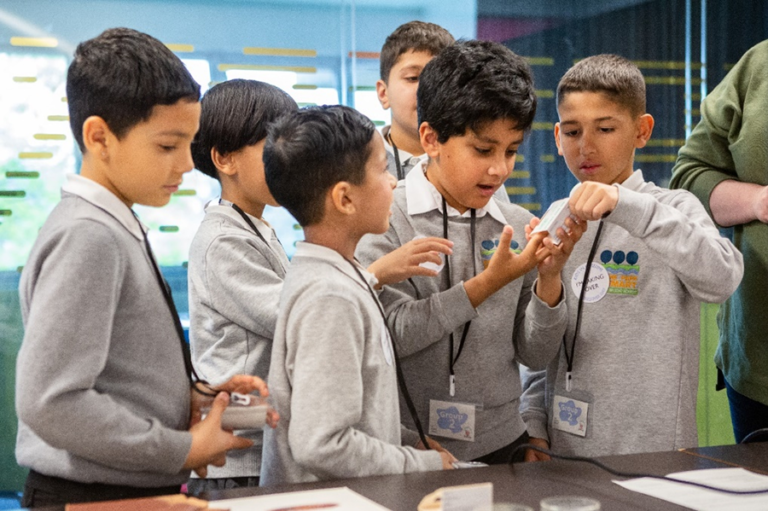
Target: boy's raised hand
<point>553,265</point>
<point>506,266</point>
<point>403,262</point>
<point>591,200</point>
<point>509,266</point>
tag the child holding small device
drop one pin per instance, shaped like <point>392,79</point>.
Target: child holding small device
<point>460,336</point>
<point>107,401</point>
<point>626,377</point>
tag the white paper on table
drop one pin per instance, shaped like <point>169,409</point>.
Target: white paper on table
<point>330,499</point>
<point>706,500</point>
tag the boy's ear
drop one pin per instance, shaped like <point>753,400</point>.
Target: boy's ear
<point>644,129</point>
<point>557,139</point>
<point>382,94</point>
<point>224,163</point>
<point>340,198</point>
<point>97,136</point>
<point>428,139</point>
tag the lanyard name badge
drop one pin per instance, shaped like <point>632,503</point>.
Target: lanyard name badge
<point>452,419</point>
<point>570,414</point>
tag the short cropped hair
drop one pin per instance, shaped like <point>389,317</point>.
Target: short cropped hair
<point>412,36</point>
<point>615,76</point>
<point>120,75</point>
<point>235,114</point>
<point>472,83</point>
<point>307,152</point>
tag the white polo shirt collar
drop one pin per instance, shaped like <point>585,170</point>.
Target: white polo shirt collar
<point>635,181</point>
<point>102,198</point>
<point>307,249</point>
<point>422,197</point>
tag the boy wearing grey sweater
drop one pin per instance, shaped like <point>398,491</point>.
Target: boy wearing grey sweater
<point>462,334</point>
<point>626,378</point>
<point>103,389</point>
<point>332,371</point>
<point>236,263</point>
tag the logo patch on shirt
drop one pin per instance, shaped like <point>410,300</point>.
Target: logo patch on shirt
<point>623,270</point>
<point>488,248</point>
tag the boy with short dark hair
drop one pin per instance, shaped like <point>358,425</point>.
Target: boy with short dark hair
<point>236,263</point>
<point>626,379</point>
<point>103,376</point>
<point>461,335</point>
<point>332,372</point>
<point>403,55</point>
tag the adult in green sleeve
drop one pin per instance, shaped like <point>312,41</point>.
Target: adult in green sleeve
<point>725,163</point>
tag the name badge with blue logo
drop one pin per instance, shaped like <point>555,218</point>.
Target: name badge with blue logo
<point>453,420</point>
<point>570,415</point>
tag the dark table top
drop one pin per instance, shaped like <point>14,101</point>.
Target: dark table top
<point>526,483</point>
<point>751,456</point>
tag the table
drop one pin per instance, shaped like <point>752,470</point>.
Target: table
<point>528,483</point>
<point>751,456</point>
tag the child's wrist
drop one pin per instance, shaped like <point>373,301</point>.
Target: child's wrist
<point>549,289</point>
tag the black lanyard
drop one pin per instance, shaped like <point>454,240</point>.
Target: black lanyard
<point>253,226</point>
<point>400,173</point>
<point>194,378</point>
<point>584,284</point>
<point>398,369</point>
<point>451,358</point>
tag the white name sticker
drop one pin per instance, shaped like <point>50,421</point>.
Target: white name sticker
<point>452,420</point>
<point>570,415</point>
<point>598,284</point>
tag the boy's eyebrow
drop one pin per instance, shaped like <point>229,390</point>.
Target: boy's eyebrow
<point>172,133</point>
<point>489,140</point>
<point>412,67</point>
<point>599,119</point>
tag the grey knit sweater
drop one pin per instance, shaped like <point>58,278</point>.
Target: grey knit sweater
<point>511,326</point>
<point>101,390</point>
<point>234,287</point>
<point>332,379</point>
<point>637,354</point>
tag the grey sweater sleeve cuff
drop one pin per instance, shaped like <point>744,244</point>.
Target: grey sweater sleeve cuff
<point>631,210</point>
<point>431,460</point>
<point>178,445</point>
<point>536,423</point>
<point>408,437</point>
<point>455,307</point>
<point>546,315</point>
